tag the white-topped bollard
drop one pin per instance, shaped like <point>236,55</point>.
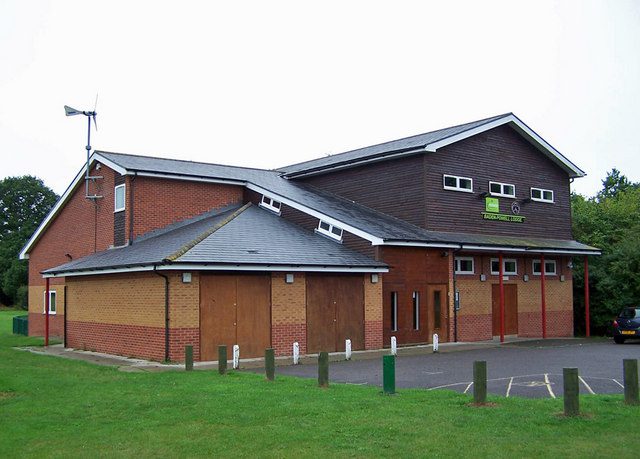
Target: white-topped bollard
<point>296,353</point>
<point>347,349</point>
<point>236,356</point>
<point>394,346</point>
<point>436,341</point>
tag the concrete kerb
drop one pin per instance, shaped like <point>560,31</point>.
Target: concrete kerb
<point>136,364</point>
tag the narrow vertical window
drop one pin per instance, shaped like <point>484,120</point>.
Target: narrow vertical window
<point>437,309</point>
<point>416,310</point>
<point>119,198</point>
<point>52,302</point>
<point>394,311</point>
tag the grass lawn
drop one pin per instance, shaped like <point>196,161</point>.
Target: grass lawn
<point>54,407</point>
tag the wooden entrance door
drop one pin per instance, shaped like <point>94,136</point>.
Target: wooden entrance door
<point>437,307</point>
<point>335,312</point>
<point>510,309</point>
<point>235,309</point>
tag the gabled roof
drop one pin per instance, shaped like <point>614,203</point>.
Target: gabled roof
<point>428,142</point>
<point>247,238</point>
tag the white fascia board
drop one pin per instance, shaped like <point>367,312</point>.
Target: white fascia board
<point>110,164</point>
<point>436,245</point>
<point>566,252</point>
<point>492,248</point>
<point>187,178</point>
<point>24,254</point>
<point>375,240</point>
<point>520,127</point>
<point>204,267</point>
<point>268,268</point>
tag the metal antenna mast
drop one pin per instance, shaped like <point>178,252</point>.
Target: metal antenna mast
<point>90,115</point>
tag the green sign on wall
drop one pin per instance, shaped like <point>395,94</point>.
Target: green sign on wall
<point>492,204</point>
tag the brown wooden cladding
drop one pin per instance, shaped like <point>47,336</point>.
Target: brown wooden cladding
<point>414,270</point>
<point>394,187</point>
<point>411,188</point>
<point>499,155</point>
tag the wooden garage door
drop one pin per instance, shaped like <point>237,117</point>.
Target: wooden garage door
<point>235,309</point>
<point>510,309</point>
<point>335,312</point>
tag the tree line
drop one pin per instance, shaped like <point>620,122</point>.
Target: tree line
<point>610,220</point>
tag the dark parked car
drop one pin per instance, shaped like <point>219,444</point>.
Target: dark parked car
<point>627,325</point>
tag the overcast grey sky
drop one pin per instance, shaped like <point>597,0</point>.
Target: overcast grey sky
<point>269,83</point>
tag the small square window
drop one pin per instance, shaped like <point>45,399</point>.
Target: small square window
<point>271,204</point>
<point>549,267</point>
<point>502,189</point>
<point>455,183</point>
<point>464,265</point>
<point>330,230</point>
<point>509,267</point>
<point>541,195</point>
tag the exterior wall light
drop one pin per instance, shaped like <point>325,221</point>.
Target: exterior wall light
<point>483,277</point>
<point>288,278</point>
<point>374,279</point>
<point>525,278</point>
<point>186,278</point>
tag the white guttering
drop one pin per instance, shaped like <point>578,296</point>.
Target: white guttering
<point>493,248</point>
<point>222,267</point>
<point>375,240</point>
<point>437,245</point>
<point>521,128</point>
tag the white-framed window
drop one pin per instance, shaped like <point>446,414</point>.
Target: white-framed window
<point>542,195</point>
<point>52,302</point>
<point>455,183</point>
<point>549,267</point>
<point>502,189</point>
<point>270,204</point>
<point>119,196</point>
<point>509,266</point>
<point>394,311</point>
<point>330,230</point>
<point>464,265</point>
<point>416,310</point>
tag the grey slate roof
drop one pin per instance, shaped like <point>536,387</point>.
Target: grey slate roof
<point>384,149</point>
<point>230,236</point>
<point>363,218</point>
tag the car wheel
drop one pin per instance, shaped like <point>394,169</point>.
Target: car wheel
<point>618,339</point>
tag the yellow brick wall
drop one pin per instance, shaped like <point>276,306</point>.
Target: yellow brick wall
<point>124,299</point>
<point>288,301</point>
<point>372,299</point>
<point>36,298</point>
<point>475,297</point>
<point>184,301</point>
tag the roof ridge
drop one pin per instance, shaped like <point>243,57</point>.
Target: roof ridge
<point>483,121</point>
<point>189,245</point>
<point>182,160</point>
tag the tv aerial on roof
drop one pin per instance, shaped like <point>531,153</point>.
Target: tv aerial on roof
<point>69,111</point>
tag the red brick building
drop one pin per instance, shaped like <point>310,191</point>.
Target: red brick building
<point>464,232</point>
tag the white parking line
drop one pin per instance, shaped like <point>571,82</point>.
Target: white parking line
<point>548,384</point>
<point>509,386</point>
<point>468,387</point>
<point>616,381</point>
<point>586,385</point>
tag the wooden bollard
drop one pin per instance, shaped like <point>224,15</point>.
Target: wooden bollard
<point>323,369</point>
<point>571,392</point>
<point>188,358</point>
<point>222,359</point>
<point>631,381</point>
<point>389,374</point>
<point>480,381</point>
<point>270,364</point>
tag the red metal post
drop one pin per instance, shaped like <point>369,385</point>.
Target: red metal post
<point>501,273</point>
<point>544,301</point>
<point>586,297</point>
<point>46,312</point>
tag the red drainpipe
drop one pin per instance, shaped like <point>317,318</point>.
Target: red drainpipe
<point>586,297</point>
<point>544,300</point>
<point>501,273</point>
<point>46,313</point>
